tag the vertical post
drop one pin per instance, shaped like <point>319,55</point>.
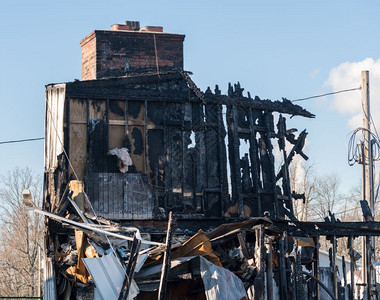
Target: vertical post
<point>352,269</point>
<point>283,269</point>
<point>344,276</point>
<point>367,141</point>
<point>368,254</point>
<point>260,280</point>
<point>316,265</point>
<point>236,147</point>
<point>166,262</point>
<point>285,170</point>
<point>269,263</point>
<point>253,156</point>
<point>369,186</point>
<point>130,270</point>
<point>39,270</point>
<point>363,196</point>
<point>333,265</point>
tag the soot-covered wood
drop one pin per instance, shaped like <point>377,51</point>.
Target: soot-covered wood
<point>204,154</point>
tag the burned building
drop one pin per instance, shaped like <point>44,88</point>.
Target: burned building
<point>135,140</point>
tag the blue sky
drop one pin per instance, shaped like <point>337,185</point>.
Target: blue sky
<point>273,48</point>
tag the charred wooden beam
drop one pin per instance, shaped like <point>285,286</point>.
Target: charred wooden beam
<point>338,229</point>
<point>166,262</point>
<point>152,87</point>
<point>130,269</point>
<point>284,106</point>
<point>316,266</point>
<point>283,269</point>
<point>254,157</point>
<point>352,267</point>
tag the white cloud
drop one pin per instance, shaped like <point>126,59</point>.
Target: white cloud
<point>348,75</point>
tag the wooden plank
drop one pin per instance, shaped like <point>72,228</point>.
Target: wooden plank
<point>117,110</point>
<point>78,122</point>
<point>116,135</point>
<point>116,129</point>
<point>130,270</point>
<point>78,137</point>
<point>97,109</point>
<point>136,122</point>
<point>254,158</point>
<point>166,262</point>
<point>236,148</point>
<point>117,122</point>
<point>222,161</point>
<point>136,134</point>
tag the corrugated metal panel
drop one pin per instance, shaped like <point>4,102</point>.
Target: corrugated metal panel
<point>108,275</point>
<point>49,280</point>
<point>120,196</point>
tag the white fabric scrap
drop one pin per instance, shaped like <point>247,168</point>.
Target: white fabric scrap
<point>220,283</point>
<point>125,158</point>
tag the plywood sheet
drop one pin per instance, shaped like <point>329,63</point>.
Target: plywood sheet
<point>116,110</point>
<point>116,135</point>
<point>78,136</point>
<point>136,133</point>
<point>97,109</point>
<point>136,136</point>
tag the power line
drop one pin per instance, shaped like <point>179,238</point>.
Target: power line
<point>322,95</point>
<point>21,141</point>
<point>336,213</point>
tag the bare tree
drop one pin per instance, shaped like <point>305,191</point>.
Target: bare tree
<point>327,196</point>
<point>20,234</point>
<point>302,182</point>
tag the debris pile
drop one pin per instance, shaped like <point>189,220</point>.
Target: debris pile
<point>116,262</point>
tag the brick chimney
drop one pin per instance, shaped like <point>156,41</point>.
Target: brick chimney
<point>127,49</point>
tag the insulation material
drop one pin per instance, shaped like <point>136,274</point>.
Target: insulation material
<point>124,158</point>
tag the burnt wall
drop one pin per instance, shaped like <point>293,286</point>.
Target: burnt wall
<point>203,155</point>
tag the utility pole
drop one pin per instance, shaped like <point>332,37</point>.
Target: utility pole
<point>39,270</point>
<point>368,186</point>
<point>364,197</point>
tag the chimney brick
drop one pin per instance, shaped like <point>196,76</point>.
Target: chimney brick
<point>128,49</point>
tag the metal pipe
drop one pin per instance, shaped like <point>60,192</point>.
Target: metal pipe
<point>89,227</point>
